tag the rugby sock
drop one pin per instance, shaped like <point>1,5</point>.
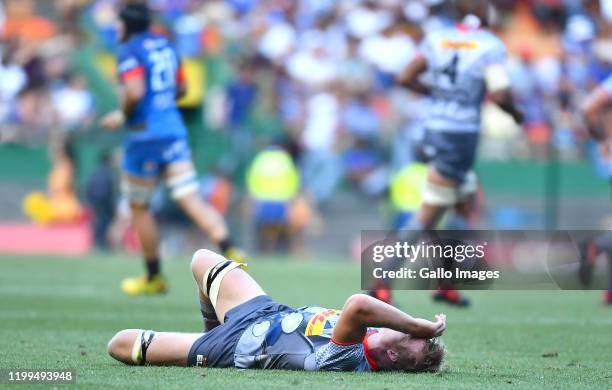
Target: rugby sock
<point>153,267</point>
<point>209,316</point>
<point>225,244</point>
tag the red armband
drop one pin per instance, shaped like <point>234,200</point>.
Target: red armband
<point>137,72</point>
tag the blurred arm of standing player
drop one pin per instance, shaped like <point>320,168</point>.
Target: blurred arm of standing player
<point>132,92</point>
<point>497,80</point>
<point>362,311</point>
<point>592,108</point>
<point>410,77</point>
<point>498,86</point>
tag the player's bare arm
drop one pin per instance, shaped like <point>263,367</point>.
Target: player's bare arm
<point>410,77</point>
<point>594,104</point>
<point>504,100</point>
<point>497,81</point>
<point>132,93</point>
<point>362,311</point>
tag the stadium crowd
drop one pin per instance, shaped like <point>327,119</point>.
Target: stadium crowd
<point>39,89</point>
<point>322,72</point>
<point>325,70</point>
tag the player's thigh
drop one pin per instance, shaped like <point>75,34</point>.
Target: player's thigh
<point>142,160</point>
<point>177,159</point>
<point>236,288</point>
<point>435,176</point>
<point>141,172</point>
<point>138,190</point>
<point>451,156</point>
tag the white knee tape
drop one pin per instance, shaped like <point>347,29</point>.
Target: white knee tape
<point>183,184</point>
<point>437,195</point>
<point>214,276</point>
<point>469,186</point>
<point>137,194</point>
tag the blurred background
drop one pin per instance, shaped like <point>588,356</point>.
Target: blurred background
<point>313,77</point>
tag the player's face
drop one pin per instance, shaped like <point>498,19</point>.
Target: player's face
<point>414,352</point>
<point>411,350</point>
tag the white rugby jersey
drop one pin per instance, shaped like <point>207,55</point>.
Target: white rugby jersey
<point>457,59</point>
<point>607,84</point>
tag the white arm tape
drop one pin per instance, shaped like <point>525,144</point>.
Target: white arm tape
<point>497,78</point>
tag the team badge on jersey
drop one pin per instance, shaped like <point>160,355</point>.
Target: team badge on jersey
<point>322,323</point>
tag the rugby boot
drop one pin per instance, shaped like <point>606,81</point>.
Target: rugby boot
<point>143,286</point>
<point>452,297</point>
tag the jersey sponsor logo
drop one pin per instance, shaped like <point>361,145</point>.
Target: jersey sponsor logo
<point>322,323</point>
<point>456,45</point>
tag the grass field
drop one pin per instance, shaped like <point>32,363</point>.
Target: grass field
<point>58,313</point>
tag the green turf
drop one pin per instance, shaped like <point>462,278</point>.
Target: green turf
<point>57,313</point>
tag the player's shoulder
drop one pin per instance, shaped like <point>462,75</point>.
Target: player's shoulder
<point>145,42</point>
<point>490,40</point>
<point>152,41</point>
<point>440,33</point>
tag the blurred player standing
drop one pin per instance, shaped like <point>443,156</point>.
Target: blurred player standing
<point>594,111</point>
<point>466,63</point>
<point>156,146</point>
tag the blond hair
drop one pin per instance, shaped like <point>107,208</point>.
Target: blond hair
<point>433,355</point>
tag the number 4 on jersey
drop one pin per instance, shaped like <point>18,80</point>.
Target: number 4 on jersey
<point>451,69</point>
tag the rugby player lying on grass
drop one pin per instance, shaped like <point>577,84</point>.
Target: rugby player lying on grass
<point>244,328</point>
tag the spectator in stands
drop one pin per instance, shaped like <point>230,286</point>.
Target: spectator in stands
<point>321,165</point>
<point>101,197</point>
<point>74,103</point>
<point>273,183</point>
<point>240,99</point>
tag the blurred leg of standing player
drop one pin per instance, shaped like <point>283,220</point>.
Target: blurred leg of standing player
<point>146,229</point>
<point>207,218</point>
<point>433,210</point>
<point>450,184</point>
<point>589,252</point>
<point>596,112</point>
<point>173,157</point>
